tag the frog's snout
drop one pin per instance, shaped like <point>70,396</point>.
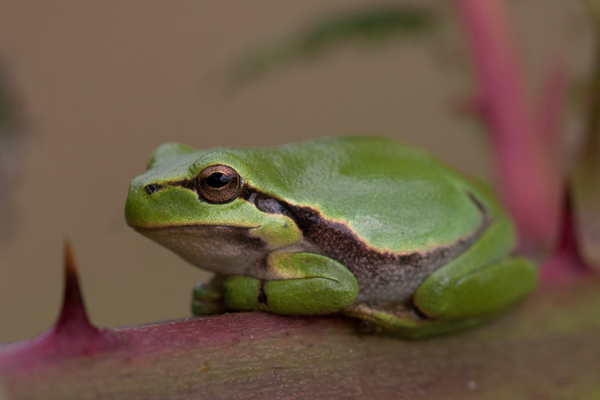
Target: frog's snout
<point>135,203</point>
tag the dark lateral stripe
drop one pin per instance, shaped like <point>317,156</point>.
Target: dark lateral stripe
<point>338,241</point>
<point>184,183</point>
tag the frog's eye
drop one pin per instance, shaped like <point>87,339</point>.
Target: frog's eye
<point>219,184</point>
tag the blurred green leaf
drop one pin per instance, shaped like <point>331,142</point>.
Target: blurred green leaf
<point>370,26</point>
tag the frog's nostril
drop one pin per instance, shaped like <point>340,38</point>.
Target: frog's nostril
<point>152,188</point>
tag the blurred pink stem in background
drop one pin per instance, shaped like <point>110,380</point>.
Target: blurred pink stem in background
<point>550,117</point>
<point>526,168</point>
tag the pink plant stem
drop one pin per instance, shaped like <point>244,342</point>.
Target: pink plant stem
<point>550,114</point>
<point>528,187</point>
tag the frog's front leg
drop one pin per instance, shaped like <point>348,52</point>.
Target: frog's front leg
<point>303,284</point>
<point>469,290</point>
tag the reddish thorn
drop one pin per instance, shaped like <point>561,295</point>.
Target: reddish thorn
<point>73,317</point>
<point>566,264</point>
<point>71,336</point>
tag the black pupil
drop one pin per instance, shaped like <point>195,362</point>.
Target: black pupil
<point>217,180</point>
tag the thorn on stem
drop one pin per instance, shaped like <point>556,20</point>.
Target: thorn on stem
<point>566,264</point>
<point>73,317</point>
<point>71,336</point>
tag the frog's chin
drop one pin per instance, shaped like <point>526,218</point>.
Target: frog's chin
<point>227,250</point>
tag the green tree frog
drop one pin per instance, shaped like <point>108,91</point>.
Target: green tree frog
<point>364,226</point>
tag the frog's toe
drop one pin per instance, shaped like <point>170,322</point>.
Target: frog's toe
<point>207,292</point>
<point>207,299</point>
<point>207,308</point>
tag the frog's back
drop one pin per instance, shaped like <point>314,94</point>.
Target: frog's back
<point>390,213</point>
<point>392,196</point>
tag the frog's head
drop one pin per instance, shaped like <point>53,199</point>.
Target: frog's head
<point>198,204</point>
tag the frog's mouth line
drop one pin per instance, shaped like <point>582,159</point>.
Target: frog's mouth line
<point>198,228</point>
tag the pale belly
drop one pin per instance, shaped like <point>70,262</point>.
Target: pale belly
<point>219,249</point>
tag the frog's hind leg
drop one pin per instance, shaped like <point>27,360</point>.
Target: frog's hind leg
<point>473,288</point>
<point>406,321</point>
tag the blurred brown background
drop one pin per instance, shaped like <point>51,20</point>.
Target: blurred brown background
<point>104,83</point>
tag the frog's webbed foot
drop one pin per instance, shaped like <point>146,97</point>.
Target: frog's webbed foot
<point>406,321</point>
<point>207,298</point>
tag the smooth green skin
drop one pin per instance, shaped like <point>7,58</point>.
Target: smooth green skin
<point>393,197</point>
